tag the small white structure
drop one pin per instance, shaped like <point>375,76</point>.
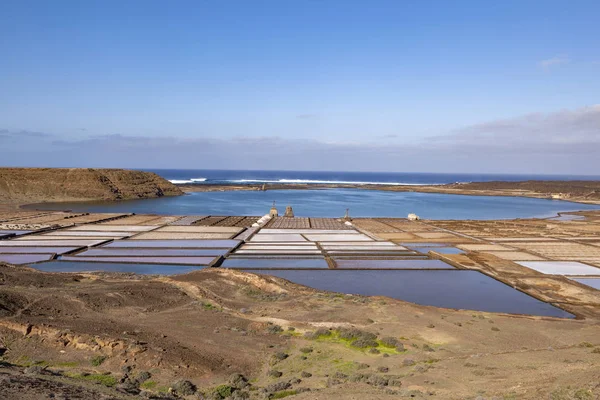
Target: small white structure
<point>262,221</point>
<point>413,217</point>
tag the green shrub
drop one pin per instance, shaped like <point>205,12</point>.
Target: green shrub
<point>224,391</point>
<point>98,360</point>
<point>274,329</point>
<point>319,333</point>
<point>148,385</point>
<point>389,342</point>
<point>355,334</point>
<point>106,380</point>
<point>185,388</point>
<point>284,393</point>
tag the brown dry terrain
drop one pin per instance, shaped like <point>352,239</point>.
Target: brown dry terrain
<point>35,185</point>
<point>220,333</point>
<point>121,336</point>
<point>577,191</point>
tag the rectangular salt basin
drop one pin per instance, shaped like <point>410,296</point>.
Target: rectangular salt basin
<point>392,264</point>
<point>69,238</point>
<point>119,228</point>
<point>278,247</point>
<point>365,248</point>
<point>200,229</point>
<point>591,282</point>
<point>38,250</point>
<point>181,244</point>
<point>146,260</point>
<point>344,237</point>
<point>358,254</point>
<point>25,258</point>
<point>181,236</point>
<point>278,251</point>
<point>424,244</point>
<point>309,231</point>
<point>561,267</point>
<point>105,252</point>
<point>277,238</point>
<point>451,289</point>
<point>363,245</point>
<point>88,233</point>
<point>256,263</point>
<point>13,232</point>
<point>441,250</point>
<point>150,269</point>
<point>51,243</point>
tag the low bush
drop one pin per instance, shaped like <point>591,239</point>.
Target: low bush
<point>97,361</point>
<point>275,374</point>
<point>389,342</point>
<point>185,388</point>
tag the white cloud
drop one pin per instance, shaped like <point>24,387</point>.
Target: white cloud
<point>554,61</point>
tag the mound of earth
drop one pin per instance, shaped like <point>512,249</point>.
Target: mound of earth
<point>37,185</point>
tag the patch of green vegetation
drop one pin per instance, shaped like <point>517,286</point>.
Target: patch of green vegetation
<point>106,380</point>
<point>67,364</point>
<point>23,361</point>
<point>274,329</point>
<point>162,389</point>
<point>346,367</point>
<point>284,393</point>
<point>41,363</point>
<point>291,333</point>
<point>571,394</point>
<point>585,344</point>
<point>148,385</point>
<point>97,361</point>
<point>350,337</point>
<point>210,307</point>
<point>224,391</point>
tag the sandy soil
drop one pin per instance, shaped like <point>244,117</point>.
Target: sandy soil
<point>203,327</point>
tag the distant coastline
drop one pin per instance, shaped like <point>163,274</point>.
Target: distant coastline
<point>586,192</point>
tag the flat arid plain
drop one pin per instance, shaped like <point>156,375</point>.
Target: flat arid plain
<point>500,309</point>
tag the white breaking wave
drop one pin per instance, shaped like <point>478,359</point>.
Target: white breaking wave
<point>327,182</point>
<point>181,181</point>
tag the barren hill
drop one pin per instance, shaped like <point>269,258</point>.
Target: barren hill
<point>36,185</point>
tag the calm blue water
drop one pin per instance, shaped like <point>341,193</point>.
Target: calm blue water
<point>333,203</point>
<point>282,177</point>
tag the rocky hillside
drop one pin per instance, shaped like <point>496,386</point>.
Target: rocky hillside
<point>37,185</point>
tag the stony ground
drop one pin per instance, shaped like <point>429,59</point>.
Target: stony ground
<point>226,334</point>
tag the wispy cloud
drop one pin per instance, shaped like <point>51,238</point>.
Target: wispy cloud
<point>554,61</point>
<point>306,116</point>
<point>566,141</point>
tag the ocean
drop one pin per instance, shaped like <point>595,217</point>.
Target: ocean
<point>334,202</point>
<point>181,176</point>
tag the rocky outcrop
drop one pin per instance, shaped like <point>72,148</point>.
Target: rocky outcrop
<point>37,185</point>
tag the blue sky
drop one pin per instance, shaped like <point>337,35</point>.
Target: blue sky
<point>307,79</point>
